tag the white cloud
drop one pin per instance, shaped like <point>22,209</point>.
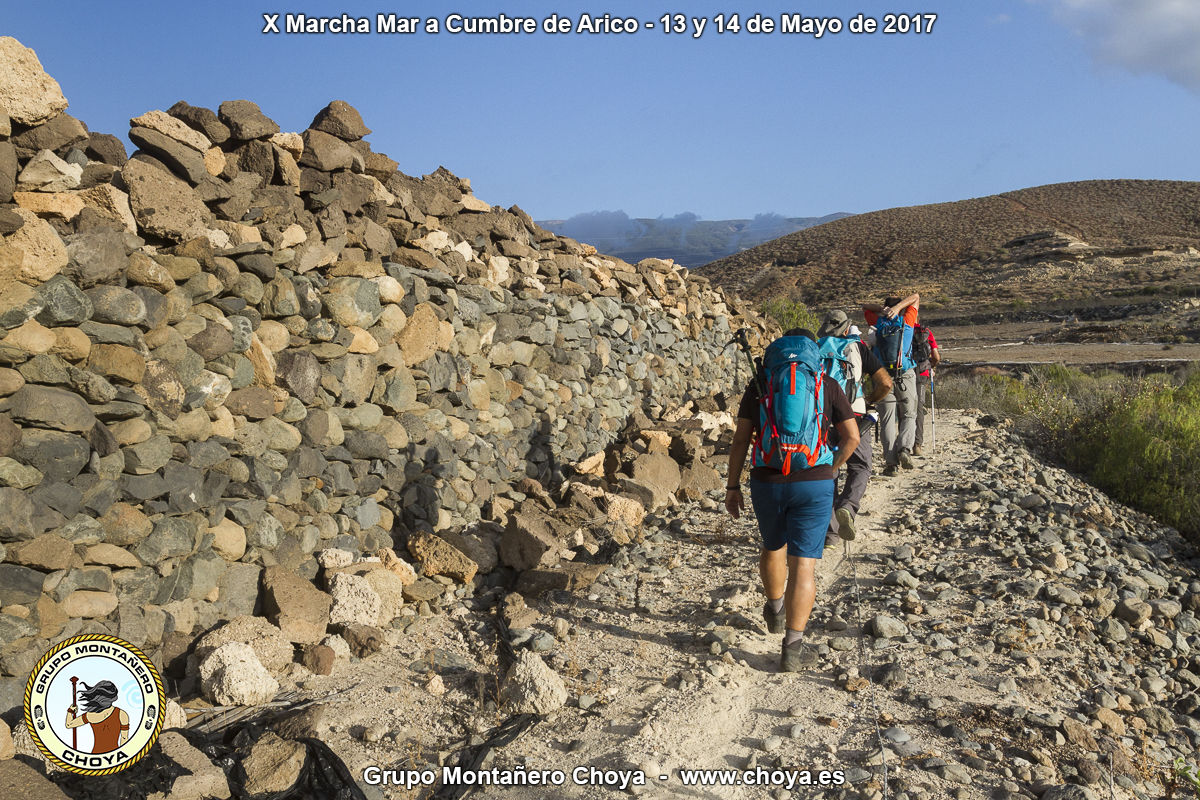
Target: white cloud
<point>1146,36</point>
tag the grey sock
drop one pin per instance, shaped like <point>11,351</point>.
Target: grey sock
<point>791,637</point>
<point>776,605</point>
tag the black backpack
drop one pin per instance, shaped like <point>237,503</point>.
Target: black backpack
<point>922,353</point>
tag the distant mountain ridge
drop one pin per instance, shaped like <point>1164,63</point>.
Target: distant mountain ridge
<point>920,245</point>
<point>686,238</point>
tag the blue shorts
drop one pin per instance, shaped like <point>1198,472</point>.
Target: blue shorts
<point>795,514</point>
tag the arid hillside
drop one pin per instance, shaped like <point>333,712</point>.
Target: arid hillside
<point>960,247</point>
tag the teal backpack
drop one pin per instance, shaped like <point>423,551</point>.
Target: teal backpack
<point>836,361</point>
<point>893,344</point>
<point>791,406</point>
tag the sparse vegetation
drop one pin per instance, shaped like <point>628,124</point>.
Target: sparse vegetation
<point>1136,438</point>
<point>790,313</point>
<point>1188,773</point>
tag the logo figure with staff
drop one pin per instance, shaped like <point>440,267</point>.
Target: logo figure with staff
<point>110,725</point>
<point>94,705</point>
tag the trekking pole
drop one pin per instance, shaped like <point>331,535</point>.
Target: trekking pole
<point>933,415</point>
<point>75,704</point>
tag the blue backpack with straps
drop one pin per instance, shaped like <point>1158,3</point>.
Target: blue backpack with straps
<point>791,405</point>
<point>837,365</point>
<point>893,344</point>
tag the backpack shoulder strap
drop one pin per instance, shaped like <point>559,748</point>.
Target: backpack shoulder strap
<point>854,357</point>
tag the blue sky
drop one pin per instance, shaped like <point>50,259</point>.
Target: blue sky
<point>1002,95</point>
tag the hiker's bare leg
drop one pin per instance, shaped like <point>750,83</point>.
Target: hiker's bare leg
<point>801,591</point>
<point>773,569</point>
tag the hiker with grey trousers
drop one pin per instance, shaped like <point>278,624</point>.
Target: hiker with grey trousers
<point>862,362</point>
<point>925,370</point>
<point>894,321</point>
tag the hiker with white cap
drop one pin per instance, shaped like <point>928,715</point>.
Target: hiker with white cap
<point>848,359</point>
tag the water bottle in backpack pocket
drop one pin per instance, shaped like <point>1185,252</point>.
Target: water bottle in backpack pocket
<point>893,344</point>
<point>792,407</point>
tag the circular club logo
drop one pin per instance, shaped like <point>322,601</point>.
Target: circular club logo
<point>94,705</point>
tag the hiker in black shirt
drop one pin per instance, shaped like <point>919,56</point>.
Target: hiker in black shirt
<point>793,508</point>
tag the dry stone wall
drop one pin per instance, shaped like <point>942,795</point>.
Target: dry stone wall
<point>239,347</point>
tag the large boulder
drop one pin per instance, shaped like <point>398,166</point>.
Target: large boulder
<point>162,204</point>
<point>658,470</point>
<point>699,480</point>
<point>300,609</point>
<point>390,588</point>
<point>184,161</point>
<point>19,304</point>
<point>46,172</point>
<point>197,777</point>
<point>326,153</point>
<point>63,303</point>
<point>439,557</point>
<point>172,127</point>
<point>231,675</point>
<point>342,120</point>
<point>46,407</point>
<point>529,541</point>
<point>271,648</point>
<point>58,455</point>
<point>43,253</point>
<point>59,134</point>
<point>246,120</point>
<point>273,765</point>
<point>27,93</point>
<point>201,119</point>
<point>354,601</point>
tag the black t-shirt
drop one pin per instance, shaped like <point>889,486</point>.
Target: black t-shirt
<point>837,409</point>
<point>871,363</point>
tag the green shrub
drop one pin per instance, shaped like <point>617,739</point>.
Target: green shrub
<point>790,313</point>
<point>1144,449</point>
<point>1136,438</point>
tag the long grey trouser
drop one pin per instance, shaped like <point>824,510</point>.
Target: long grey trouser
<point>858,473</point>
<point>898,417</point>
<point>922,392</point>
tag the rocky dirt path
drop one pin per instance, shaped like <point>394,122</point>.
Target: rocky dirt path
<point>1021,633</point>
<point>696,673</point>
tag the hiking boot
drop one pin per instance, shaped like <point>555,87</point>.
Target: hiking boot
<point>831,540</point>
<point>797,657</point>
<point>905,459</point>
<point>774,619</point>
<point>889,470</point>
<point>845,524</point>
<point>918,450</point>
